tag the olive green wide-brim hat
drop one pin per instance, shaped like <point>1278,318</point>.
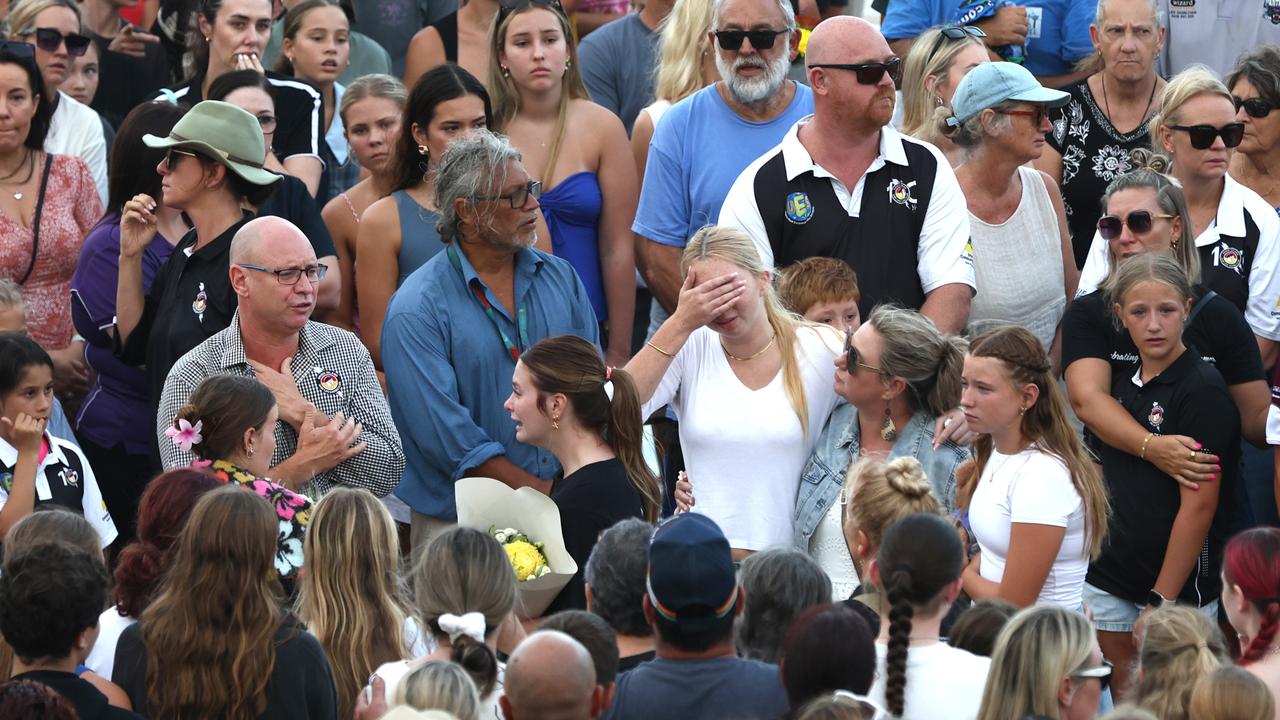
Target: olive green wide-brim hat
<point>225,133</point>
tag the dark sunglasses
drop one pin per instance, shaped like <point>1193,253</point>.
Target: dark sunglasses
<point>870,73</point>
<point>760,39</point>
<point>954,32</point>
<point>1256,107</point>
<point>172,155</point>
<point>48,40</point>
<point>1139,222</point>
<point>1202,136</point>
<point>1102,673</point>
<point>506,7</point>
<point>852,359</point>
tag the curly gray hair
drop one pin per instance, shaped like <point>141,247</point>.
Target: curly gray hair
<point>470,167</point>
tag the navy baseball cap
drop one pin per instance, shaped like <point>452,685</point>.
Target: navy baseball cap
<point>691,574</point>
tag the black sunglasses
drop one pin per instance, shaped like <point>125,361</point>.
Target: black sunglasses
<point>48,40</point>
<point>506,7</point>
<point>1256,107</point>
<point>1139,222</point>
<point>869,73</point>
<point>852,359</point>
<point>760,39</point>
<point>954,32</point>
<point>1202,136</point>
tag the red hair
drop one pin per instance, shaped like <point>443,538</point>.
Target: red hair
<point>162,513</point>
<point>1251,561</point>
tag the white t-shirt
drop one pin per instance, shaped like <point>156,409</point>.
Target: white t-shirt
<point>76,130</point>
<point>942,682</point>
<point>1273,425</point>
<point>1034,488</point>
<point>111,624</point>
<point>745,449</point>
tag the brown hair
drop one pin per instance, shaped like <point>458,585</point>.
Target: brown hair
<point>293,25</point>
<point>210,634</point>
<point>571,366</point>
<point>814,280</point>
<point>226,406</point>
<point>1044,424</point>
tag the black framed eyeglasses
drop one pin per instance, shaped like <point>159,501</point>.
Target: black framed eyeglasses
<point>518,197</point>
<point>1255,107</point>
<point>869,73</point>
<point>1202,136</point>
<point>852,359</point>
<point>1102,673</point>
<point>760,39</point>
<point>1139,222</point>
<point>953,33</point>
<point>290,276</point>
<point>48,40</point>
<point>506,7</point>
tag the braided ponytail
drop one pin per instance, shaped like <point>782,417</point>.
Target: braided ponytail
<point>1266,633</point>
<point>897,589</point>
<point>1251,562</point>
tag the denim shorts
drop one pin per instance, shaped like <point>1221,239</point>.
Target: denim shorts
<point>1114,614</point>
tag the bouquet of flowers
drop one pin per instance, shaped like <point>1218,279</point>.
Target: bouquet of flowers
<point>524,553</point>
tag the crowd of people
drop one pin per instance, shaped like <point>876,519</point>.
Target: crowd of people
<point>921,367</point>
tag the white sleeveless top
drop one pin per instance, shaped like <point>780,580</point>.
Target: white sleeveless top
<point>1018,266</point>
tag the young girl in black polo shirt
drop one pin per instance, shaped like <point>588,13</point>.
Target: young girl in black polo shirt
<point>1165,540</point>
<point>35,467</point>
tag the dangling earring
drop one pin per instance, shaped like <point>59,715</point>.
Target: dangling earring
<point>1174,245</point>
<point>250,451</point>
<point>567,64</point>
<point>937,100</point>
<point>1022,411</point>
<point>888,431</point>
<point>555,423</point>
<point>505,72</point>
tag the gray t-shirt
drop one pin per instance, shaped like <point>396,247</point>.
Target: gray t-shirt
<point>393,23</point>
<point>618,62</point>
<point>726,688</point>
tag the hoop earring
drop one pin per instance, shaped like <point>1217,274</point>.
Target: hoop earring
<point>424,151</point>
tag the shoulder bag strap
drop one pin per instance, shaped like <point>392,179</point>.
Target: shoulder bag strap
<point>35,226</point>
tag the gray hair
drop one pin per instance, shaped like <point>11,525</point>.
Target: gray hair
<point>1261,67</point>
<point>927,360</point>
<point>788,14</point>
<point>468,168</point>
<point>616,572</point>
<point>10,294</point>
<point>972,133</point>
<point>1156,13</point>
<point>779,584</point>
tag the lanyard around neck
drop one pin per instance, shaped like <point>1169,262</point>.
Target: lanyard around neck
<point>522,323</point>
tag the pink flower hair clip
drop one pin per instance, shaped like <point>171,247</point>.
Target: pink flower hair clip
<point>185,434</point>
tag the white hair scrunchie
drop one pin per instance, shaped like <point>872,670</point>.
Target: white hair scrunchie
<point>470,624</point>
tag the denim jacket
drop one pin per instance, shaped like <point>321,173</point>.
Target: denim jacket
<point>836,450</point>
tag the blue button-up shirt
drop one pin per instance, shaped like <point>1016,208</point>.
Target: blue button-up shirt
<point>450,372</point>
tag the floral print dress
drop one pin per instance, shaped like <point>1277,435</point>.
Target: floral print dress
<point>292,510</point>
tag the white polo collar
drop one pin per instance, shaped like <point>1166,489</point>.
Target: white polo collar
<point>796,159</point>
<point>9,454</point>
<point>1229,219</point>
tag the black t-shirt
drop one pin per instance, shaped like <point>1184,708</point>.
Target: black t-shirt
<point>591,500</point>
<point>299,113</point>
<point>89,702</point>
<point>300,688</point>
<point>190,300</point>
<point>124,81</point>
<point>1188,398</point>
<point>1093,154</point>
<point>447,26</point>
<point>291,201</point>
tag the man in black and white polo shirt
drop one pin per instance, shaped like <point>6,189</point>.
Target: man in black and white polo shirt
<point>903,228</point>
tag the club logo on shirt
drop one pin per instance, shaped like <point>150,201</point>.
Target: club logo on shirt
<point>900,193</point>
<point>1229,257</point>
<point>328,381</point>
<point>967,255</point>
<point>6,481</point>
<point>200,303</point>
<point>799,210</point>
<point>1156,417</point>
<point>1271,11</point>
<point>69,477</point>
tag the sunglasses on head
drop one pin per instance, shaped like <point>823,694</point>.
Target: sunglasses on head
<point>869,73</point>
<point>1256,107</point>
<point>852,359</point>
<point>1139,222</point>
<point>760,39</point>
<point>953,33</point>
<point>1202,136</point>
<point>48,40</point>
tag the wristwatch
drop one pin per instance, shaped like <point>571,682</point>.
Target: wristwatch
<point>1155,599</point>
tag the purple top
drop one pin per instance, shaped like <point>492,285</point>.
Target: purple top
<point>117,408</point>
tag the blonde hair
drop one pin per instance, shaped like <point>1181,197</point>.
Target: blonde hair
<point>1179,647</point>
<point>506,96</point>
<point>681,46</point>
<point>881,494</point>
<point>931,54</point>
<point>1231,693</point>
<point>1150,175</point>
<point>737,248</point>
<point>374,85</point>
<point>1196,80</point>
<point>22,15</point>
<point>350,596</point>
<point>440,685</point>
<point>1037,649</point>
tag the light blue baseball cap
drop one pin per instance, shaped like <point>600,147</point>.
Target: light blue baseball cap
<point>992,83</point>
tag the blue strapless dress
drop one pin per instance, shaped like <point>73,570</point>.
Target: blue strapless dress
<point>572,210</point>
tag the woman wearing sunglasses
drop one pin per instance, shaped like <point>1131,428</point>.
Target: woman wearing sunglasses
<point>938,61</point>
<point>1237,233</point>
<point>580,153</point>
<point>52,27</point>
<point>1255,89</point>
<point>1046,664</point>
<point>1107,115</point>
<point>1018,230</point>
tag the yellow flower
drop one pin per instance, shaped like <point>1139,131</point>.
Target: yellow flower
<point>525,559</point>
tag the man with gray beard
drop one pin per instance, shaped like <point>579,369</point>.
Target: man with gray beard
<point>704,141</point>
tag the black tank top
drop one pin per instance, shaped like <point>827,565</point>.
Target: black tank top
<point>447,26</point>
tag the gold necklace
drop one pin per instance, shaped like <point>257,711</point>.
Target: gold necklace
<point>753,357</point>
